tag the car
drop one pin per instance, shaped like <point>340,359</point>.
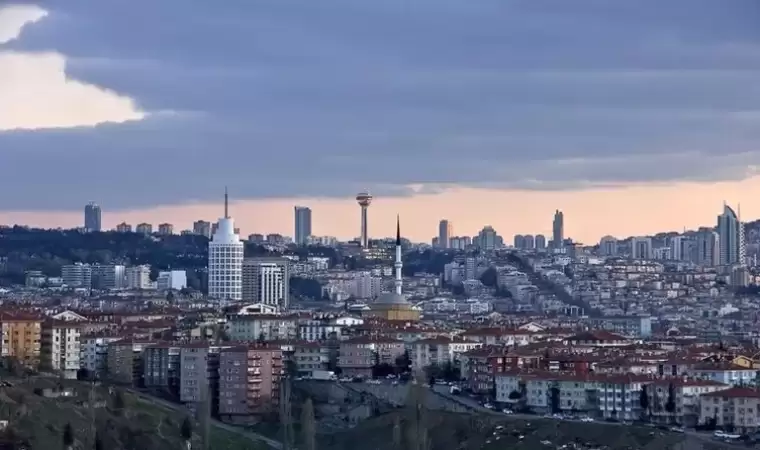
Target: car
<point>677,429</point>
<point>488,406</point>
<point>507,411</point>
<point>586,419</point>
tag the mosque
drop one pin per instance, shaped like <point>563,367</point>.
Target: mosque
<point>394,305</point>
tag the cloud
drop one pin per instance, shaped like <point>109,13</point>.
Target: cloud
<point>302,98</point>
<point>36,93</point>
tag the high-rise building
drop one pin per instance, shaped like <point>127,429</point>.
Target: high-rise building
<point>144,228</point>
<point>364,199</point>
<point>225,260</point>
<point>731,232</point>
<point>303,224</point>
<point>444,234</point>
<point>707,251</point>
<point>641,248</point>
<point>124,227</point>
<point>165,229</point>
<point>202,228</point>
<point>266,280</point>
<point>540,242</point>
<point>77,275</point>
<point>676,244</point>
<point>92,216</point>
<point>530,242</point>
<point>608,246</point>
<point>488,239</point>
<point>138,277</point>
<point>558,230</point>
<point>171,279</point>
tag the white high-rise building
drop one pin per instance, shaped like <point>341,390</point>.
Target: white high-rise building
<point>138,277</point>
<point>267,280</point>
<point>225,260</point>
<point>172,279</point>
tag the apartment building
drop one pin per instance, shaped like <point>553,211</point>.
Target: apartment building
<point>22,334</point>
<point>199,375</point>
<point>93,354</point>
<point>77,275</point>
<point>737,407</point>
<point>249,381</point>
<point>310,356</point>
<point>60,347</point>
<point>161,367</point>
<point>124,363</point>
<point>138,277</point>
<point>257,327</point>
<point>686,392</point>
<point>358,355</point>
<point>267,280</point>
<point>316,329</point>
<point>430,352</point>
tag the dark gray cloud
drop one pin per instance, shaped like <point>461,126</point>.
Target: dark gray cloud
<point>324,98</point>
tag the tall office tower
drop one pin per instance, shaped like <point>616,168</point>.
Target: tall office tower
<point>558,230</point>
<point>530,242</point>
<point>641,248</point>
<point>519,241</point>
<point>540,242</point>
<point>364,199</point>
<point>225,260</point>
<point>202,228</point>
<point>92,216</point>
<point>707,252</point>
<point>608,246</point>
<point>303,225</point>
<point>444,234</point>
<point>267,280</point>
<point>676,244</point>
<point>731,232</point>
<point>487,238</point>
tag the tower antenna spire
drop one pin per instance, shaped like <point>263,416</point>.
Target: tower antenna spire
<point>226,204</point>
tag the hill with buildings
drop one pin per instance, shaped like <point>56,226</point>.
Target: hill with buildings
<point>25,249</point>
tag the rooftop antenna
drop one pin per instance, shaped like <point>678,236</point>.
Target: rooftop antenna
<point>226,204</point>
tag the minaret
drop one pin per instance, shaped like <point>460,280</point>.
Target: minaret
<point>398,264</point>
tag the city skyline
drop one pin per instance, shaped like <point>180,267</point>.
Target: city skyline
<point>379,221</point>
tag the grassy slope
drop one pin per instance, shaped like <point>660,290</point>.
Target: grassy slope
<point>450,431</point>
<point>139,426</point>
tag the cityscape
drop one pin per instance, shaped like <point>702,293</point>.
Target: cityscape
<point>331,225</point>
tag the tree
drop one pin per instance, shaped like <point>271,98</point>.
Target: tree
<point>670,404</point>
<point>554,400</point>
<point>396,437</point>
<point>186,431</point>
<point>308,427</point>
<point>403,362</point>
<point>118,402</point>
<point>416,412</point>
<point>68,437</point>
<point>490,277</point>
<point>644,402</point>
<point>98,442</point>
<point>514,395</point>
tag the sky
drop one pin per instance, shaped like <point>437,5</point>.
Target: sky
<point>631,117</point>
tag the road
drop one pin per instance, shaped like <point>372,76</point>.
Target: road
<point>253,437</point>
